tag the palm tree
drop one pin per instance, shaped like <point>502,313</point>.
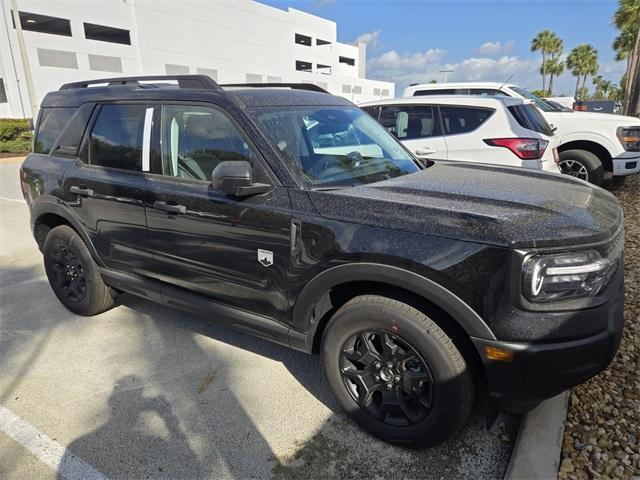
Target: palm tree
<point>583,61</point>
<point>604,88</point>
<point>547,42</point>
<point>555,68</point>
<point>627,46</point>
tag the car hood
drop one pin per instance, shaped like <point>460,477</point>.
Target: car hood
<point>511,207</point>
<point>619,120</point>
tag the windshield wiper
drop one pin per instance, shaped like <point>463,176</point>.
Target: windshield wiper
<point>325,189</point>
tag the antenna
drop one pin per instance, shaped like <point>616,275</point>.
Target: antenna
<point>505,82</point>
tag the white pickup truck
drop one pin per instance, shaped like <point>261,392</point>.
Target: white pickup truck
<point>591,143</point>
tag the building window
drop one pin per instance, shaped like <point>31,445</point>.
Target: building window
<point>346,88</point>
<point>385,92</point>
<point>322,42</point>
<point>357,89</point>
<point>3,92</point>
<point>211,72</point>
<point>303,66</point>
<point>104,63</point>
<point>254,78</point>
<point>376,92</point>
<point>106,34</point>
<point>273,79</point>
<point>325,69</point>
<point>172,69</point>
<point>303,39</point>
<point>34,22</point>
<point>347,60</point>
<point>57,58</point>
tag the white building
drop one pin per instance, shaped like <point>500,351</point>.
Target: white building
<point>233,41</point>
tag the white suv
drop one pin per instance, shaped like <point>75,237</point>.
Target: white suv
<point>592,143</point>
<point>493,130</point>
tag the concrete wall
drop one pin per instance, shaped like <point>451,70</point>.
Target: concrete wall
<point>234,41</point>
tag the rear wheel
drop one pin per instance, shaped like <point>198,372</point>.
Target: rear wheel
<point>395,371</point>
<point>72,273</point>
<point>583,165</point>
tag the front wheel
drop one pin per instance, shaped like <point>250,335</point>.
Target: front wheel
<point>582,164</point>
<point>395,372</point>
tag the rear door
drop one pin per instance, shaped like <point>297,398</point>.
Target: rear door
<point>417,127</point>
<point>232,250</point>
<point>106,186</point>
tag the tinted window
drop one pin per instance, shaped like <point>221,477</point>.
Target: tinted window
<point>457,120</point>
<point>196,139</point>
<point>373,111</point>
<point>530,118</point>
<point>52,122</point>
<point>68,143</point>
<point>116,139</point>
<point>540,103</point>
<point>407,122</point>
<point>106,34</point>
<point>487,92</point>
<point>443,91</point>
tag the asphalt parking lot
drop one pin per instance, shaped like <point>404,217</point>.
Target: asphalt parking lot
<point>144,391</point>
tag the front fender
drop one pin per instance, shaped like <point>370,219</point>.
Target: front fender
<point>305,324</point>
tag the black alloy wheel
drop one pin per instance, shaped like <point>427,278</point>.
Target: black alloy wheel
<point>68,273</point>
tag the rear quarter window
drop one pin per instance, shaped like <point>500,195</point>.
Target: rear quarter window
<point>69,142</point>
<point>458,120</point>
<point>52,122</point>
<point>530,118</point>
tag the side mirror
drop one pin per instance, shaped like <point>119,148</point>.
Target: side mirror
<point>234,177</point>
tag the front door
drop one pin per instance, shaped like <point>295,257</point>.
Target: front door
<point>232,250</point>
<point>417,127</point>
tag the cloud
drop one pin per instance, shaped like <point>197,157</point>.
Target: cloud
<point>494,48</point>
<point>371,39</point>
<point>422,67</point>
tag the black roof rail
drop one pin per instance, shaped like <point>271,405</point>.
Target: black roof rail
<point>184,81</point>
<point>312,87</point>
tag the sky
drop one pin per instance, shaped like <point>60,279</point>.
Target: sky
<point>410,41</point>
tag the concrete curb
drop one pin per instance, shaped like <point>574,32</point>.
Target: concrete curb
<point>536,453</point>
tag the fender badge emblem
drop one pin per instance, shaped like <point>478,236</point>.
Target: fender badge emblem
<point>265,257</point>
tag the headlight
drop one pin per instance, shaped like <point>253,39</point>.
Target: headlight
<point>548,278</point>
<point>629,138</point>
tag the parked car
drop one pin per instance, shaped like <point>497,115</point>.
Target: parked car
<point>293,215</point>
<point>492,130</point>
<point>591,144</point>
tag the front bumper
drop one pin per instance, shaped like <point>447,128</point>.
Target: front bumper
<point>626,164</point>
<point>538,371</point>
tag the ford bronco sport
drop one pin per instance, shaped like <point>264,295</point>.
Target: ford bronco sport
<point>293,215</point>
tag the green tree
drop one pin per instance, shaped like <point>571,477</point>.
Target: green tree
<point>555,68</point>
<point>605,89</point>
<point>547,43</point>
<point>627,47</point>
<point>582,61</point>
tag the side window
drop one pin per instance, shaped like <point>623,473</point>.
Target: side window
<point>487,92</point>
<point>409,122</point>
<point>373,111</point>
<point>436,91</point>
<point>68,143</point>
<point>457,120</point>
<point>116,139</point>
<point>196,139</point>
<point>52,122</point>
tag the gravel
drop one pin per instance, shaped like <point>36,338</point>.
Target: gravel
<point>602,429</point>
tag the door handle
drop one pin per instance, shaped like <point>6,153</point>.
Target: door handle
<point>424,151</point>
<point>82,191</point>
<point>169,208</point>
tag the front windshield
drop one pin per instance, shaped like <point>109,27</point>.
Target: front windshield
<point>332,146</point>
<point>540,103</point>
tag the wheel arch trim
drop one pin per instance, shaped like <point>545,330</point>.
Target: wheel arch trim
<point>304,327</point>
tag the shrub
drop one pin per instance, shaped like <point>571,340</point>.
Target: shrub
<point>15,136</point>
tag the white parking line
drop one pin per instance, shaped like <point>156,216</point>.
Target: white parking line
<point>12,200</point>
<point>48,451</point>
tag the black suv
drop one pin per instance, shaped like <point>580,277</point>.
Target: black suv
<point>291,214</point>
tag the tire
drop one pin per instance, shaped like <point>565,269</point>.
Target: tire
<point>73,274</point>
<point>618,181</point>
<point>582,164</point>
<point>442,401</point>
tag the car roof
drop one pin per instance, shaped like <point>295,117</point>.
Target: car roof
<point>475,100</point>
<point>438,86</point>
